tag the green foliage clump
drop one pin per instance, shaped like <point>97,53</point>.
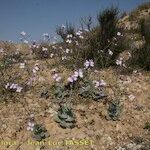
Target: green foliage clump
<point>147,126</point>
<point>39,51</point>
<point>5,77</point>
<point>108,25</point>
<point>9,59</point>
<point>145,29</point>
<point>60,91</point>
<point>103,39</point>
<point>45,94</point>
<point>65,117</point>
<point>114,110</point>
<point>141,56</point>
<point>89,91</point>
<point>39,132</point>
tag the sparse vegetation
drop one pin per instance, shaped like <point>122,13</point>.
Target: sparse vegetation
<point>64,31</point>
<point>141,56</point>
<point>79,82</point>
<point>114,110</point>
<point>147,126</point>
<point>106,41</point>
<point>65,117</point>
<point>39,132</point>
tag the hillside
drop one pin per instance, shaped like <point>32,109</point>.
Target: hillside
<point>62,96</point>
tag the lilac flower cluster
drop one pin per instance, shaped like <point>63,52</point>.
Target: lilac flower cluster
<point>99,84</point>
<point>119,61</point>
<point>64,58</point>
<point>1,50</point>
<point>44,49</point>
<point>79,34</point>
<point>31,123</point>
<point>30,81</point>
<point>24,37</point>
<point>23,33</point>
<point>22,65</point>
<point>34,45</point>
<point>56,77</point>
<point>77,74</point>
<point>30,126</point>
<point>88,64</point>
<point>14,87</point>
<point>110,52</point>
<point>35,68</point>
<point>46,36</point>
<point>69,38</point>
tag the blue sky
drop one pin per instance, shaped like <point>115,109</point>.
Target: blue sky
<point>36,17</point>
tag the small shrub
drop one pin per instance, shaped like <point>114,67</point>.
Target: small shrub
<point>87,21</point>
<point>141,56</point>
<point>13,84</point>
<point>39,132</point>
<point>114,110</point>
<point>147,126</point>
<point>41,51</point>
<point>145,29</point>
<point>45,94</point>
<point>65,117</point>
<point>106,41</point>
<point>63,31</point>
<point>60,91</point>
<point>8,59</point>
<point>108,25</point>
<point>89,91</point>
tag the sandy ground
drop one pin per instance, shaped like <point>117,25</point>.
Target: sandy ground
<point>93,131</point>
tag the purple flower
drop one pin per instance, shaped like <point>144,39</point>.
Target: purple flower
<point>25,41</point>
<point>64,57</point>
<point>1,50</point>
<point>89,63</point>
<point>44,49</point>
<point>67,50</point>
<point>23,33</point>
<point>68,41</point>
<point>100,83</point>
<point>22,65</point>
<point>14,87</point>
<point>75,78</point>
<point>7,85</point>
<point>110,52</point>
<point>36,68</point>
<point>118,33</point>
<point>30,126</point>
<point>69,36</point>
<point>70,79</point>
<point>63,26</point>
<point>30,81</point>
<point>56,77</point>
<point>77,74</point>
<point>19,89</point>
<point>119,61</point>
